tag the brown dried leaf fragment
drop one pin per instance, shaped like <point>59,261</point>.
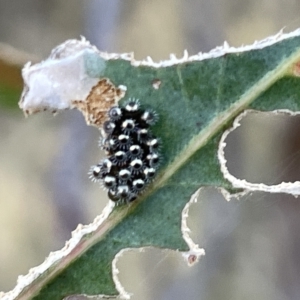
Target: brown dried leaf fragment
<point>101,97</point>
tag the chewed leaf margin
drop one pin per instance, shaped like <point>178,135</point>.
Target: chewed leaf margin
<point>192,147</point>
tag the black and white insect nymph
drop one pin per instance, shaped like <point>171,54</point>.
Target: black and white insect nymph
<point>133,152</point>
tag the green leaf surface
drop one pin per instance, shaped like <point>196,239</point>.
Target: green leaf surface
<point>196,101</point>
<point>11,63</point>
<point>10,85</point>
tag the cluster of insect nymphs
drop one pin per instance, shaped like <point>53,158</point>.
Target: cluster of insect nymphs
<point>133,152</point>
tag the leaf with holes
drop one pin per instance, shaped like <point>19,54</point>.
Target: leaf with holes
<point>197,99</point>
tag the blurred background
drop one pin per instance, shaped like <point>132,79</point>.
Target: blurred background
<point>252,245</point>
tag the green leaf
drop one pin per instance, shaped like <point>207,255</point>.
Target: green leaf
<point>197,100</point>
<point>10,90</point>
<point>11,62</point>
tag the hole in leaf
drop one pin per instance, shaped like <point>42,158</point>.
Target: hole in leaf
<point>150,273</point>
<point>265,148</point>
